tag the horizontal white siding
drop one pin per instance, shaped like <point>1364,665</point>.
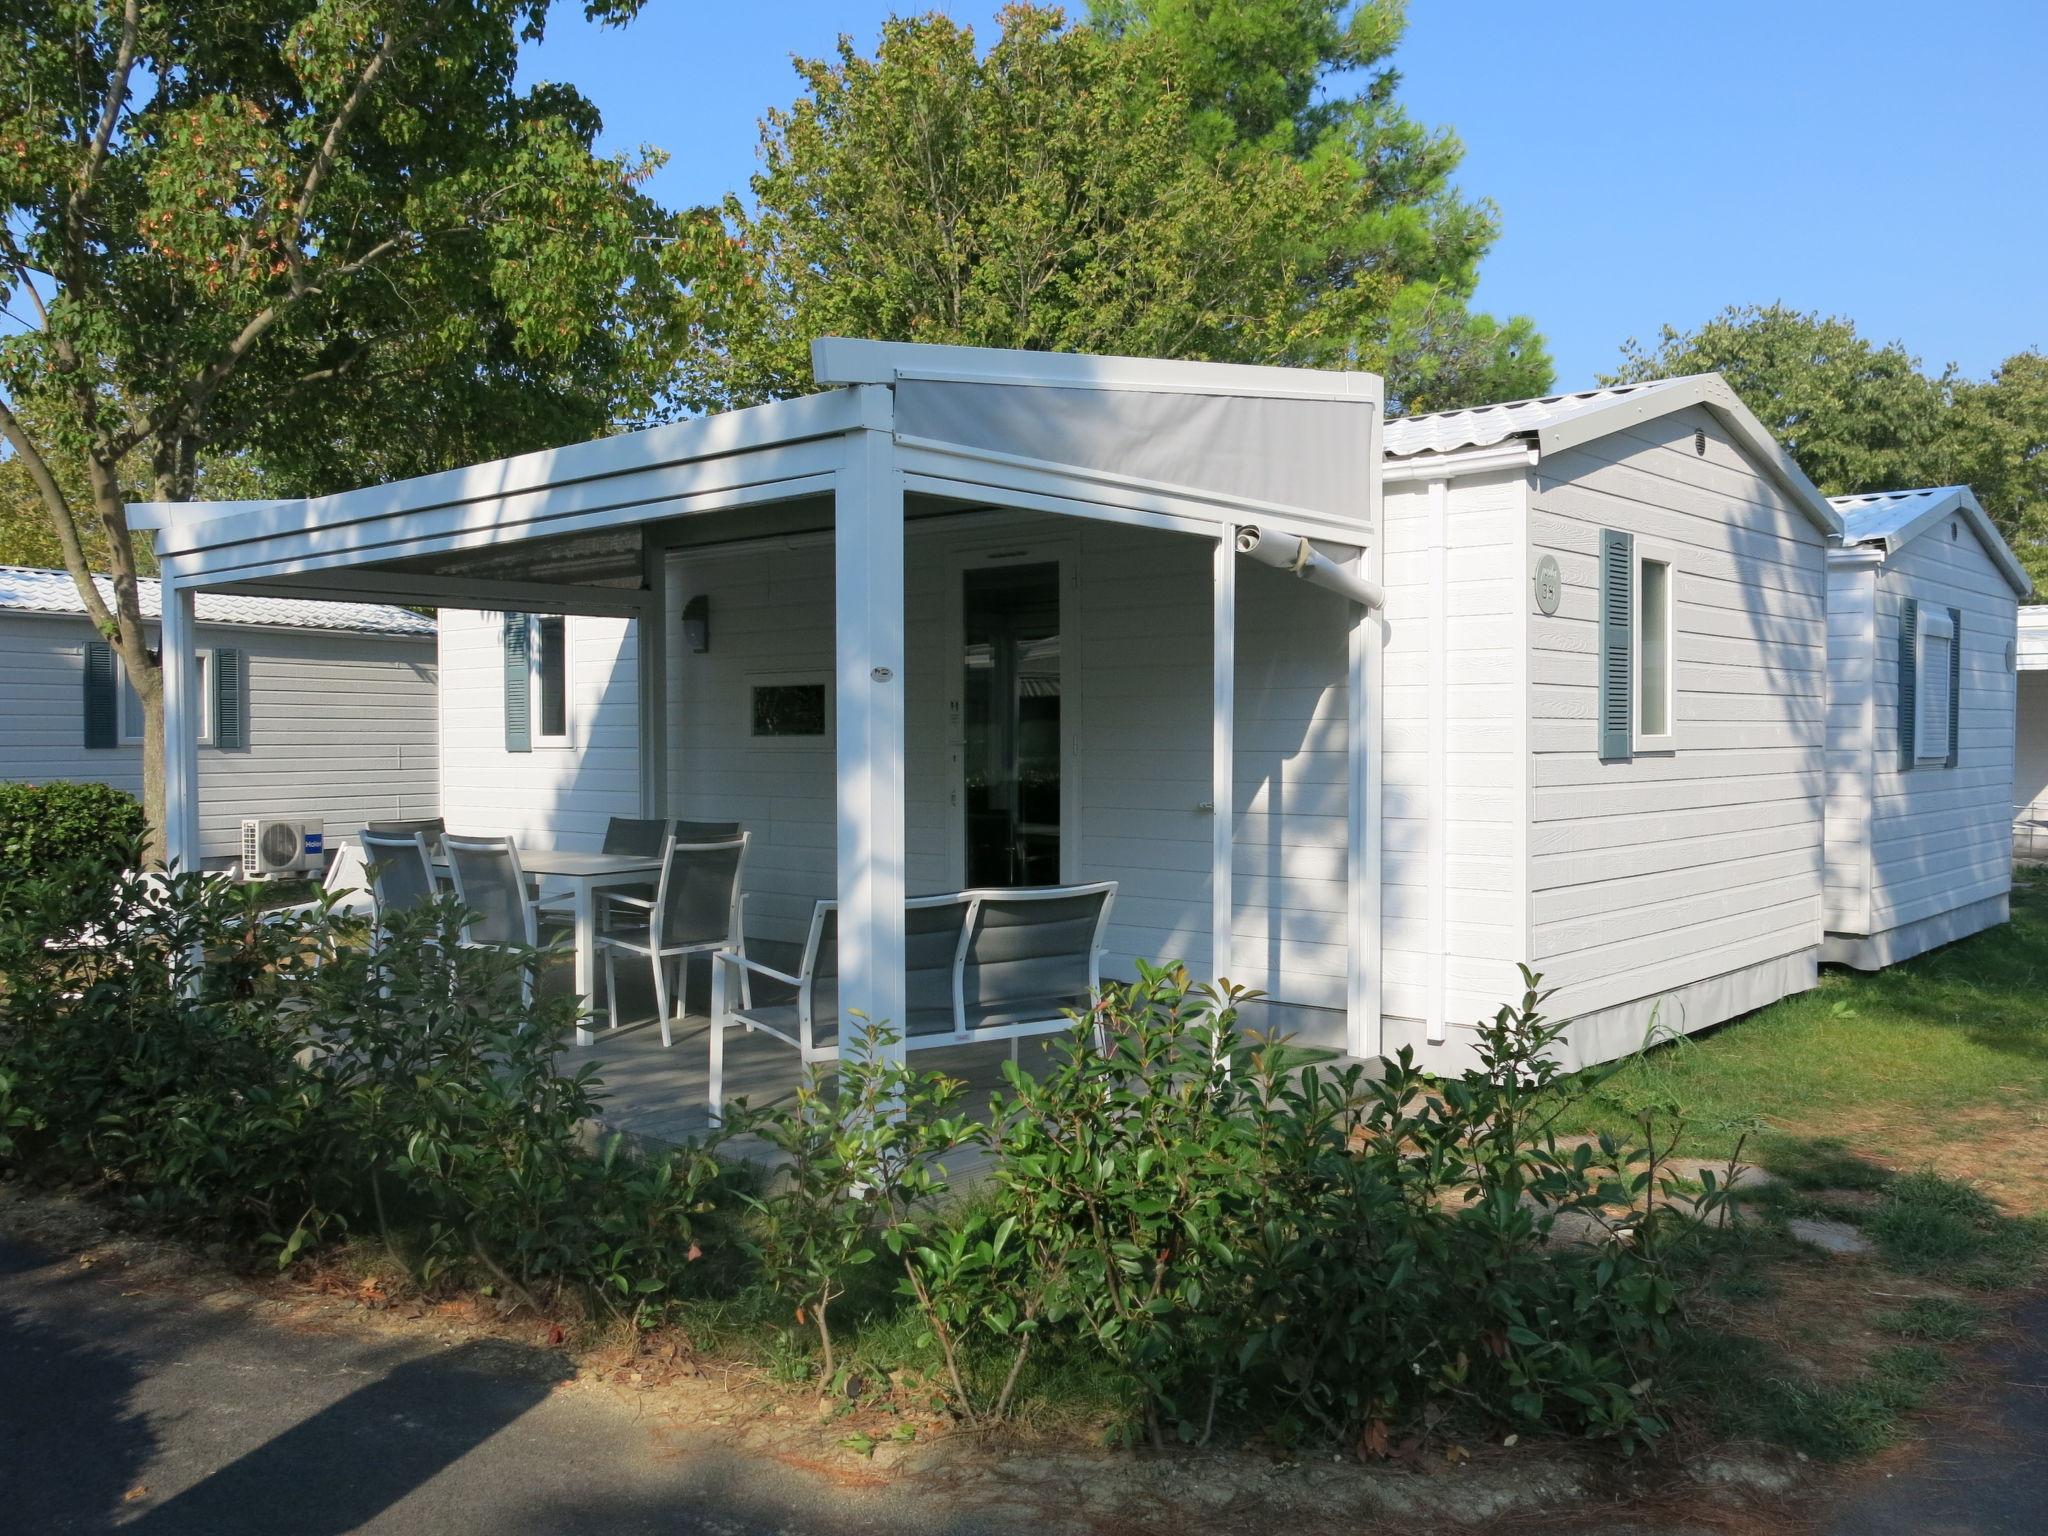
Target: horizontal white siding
<point>1940,837</point>
<point>2030,756</point>
<point>553,796</point>
<point>1654,874</point>
<point>341,727</point>
<point>1454,902</point>
<point>1138,628</point>
<point>1852,650</point>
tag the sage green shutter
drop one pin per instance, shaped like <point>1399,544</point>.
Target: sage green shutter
<point>102,697</point>
<point>230,722</point>
<point>518,686</point>
<point>1955,684</point>
<point>1617,640</point>
<point>1909,678</point>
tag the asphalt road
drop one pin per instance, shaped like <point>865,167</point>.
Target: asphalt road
<point>161,1411</point>
<point>1982,1472</point>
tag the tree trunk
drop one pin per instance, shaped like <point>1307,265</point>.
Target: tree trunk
<point>143,665</point>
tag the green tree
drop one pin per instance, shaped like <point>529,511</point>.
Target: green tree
<point>328,237</point>
<point>1089,188</point>
<point>1313,79</point>
<point>1858,416</point>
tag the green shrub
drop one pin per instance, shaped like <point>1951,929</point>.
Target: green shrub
<point>272,1079</point>
<point>45,827</point>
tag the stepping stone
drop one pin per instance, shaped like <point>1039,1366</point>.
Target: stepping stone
<point>1834,1236</point>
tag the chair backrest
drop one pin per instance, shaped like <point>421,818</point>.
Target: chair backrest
<point>1034,946</point>
<point>697,901</point>
<point>705,831</point>
<point>932,931</point>
<point>492,888</point>
<point>635,834</point>
<point>401,874</point>
<point>433,826</point>
<point>348,880</point>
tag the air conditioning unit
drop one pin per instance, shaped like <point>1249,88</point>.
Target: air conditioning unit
<point>281,845</point>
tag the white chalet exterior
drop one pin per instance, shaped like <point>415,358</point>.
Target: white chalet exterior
<point>1356,713</point>
<point>306,709</point>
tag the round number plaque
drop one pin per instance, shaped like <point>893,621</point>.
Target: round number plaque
<point>1548,584</point>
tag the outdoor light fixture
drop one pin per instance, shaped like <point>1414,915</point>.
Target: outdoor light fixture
<point>697,624</point>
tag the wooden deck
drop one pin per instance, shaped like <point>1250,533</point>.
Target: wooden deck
<point>657,1095</point>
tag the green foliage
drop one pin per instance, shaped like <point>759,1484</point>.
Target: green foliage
<point>46,826</point>
<point>1937,1319</point>
<point>1929,1225</point>
<point>1858,416</point>
<point>1159,184</point>
<point>272,1079</point>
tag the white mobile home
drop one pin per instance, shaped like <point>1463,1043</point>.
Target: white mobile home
<point>1923,597</point>
<point>317,710</point>
<point>972,618</point>
<point>2030,744</point>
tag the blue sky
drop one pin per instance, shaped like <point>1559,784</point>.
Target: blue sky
<point>1652,162</point>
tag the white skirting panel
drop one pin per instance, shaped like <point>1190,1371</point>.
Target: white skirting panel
<point>1875,951</point>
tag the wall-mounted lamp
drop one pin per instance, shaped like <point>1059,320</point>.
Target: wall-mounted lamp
<point>697,624</point>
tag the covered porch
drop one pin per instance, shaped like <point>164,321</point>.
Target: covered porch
<point>963,619</point>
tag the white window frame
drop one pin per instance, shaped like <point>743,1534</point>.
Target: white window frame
<point>1934,624</point>
<point>823,741</point>
<point>1666,740</point>
<point>129,732</point>
<point>536,736</point>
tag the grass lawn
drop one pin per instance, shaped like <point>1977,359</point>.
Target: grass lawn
<point>1941,1063</point>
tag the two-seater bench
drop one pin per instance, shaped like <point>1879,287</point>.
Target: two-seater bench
<point>978,965</point>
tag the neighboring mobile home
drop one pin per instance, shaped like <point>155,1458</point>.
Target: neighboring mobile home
<point>1923,598</point>
<point>318,710</point>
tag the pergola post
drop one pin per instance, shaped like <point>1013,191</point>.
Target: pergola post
<point>1223,742</point>
<point>868,596</point>
<point>181,735</point>
<point>1362,861</point>
<point>651,641</point>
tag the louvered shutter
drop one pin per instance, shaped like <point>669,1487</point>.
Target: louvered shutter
<point>1909,679</point>
<point>102,697</point>
<point>1955,685</point>
<point>1617,639</point>
<point>518,685</point>
<point>230,714</point>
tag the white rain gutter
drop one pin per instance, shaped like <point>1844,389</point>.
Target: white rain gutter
<point>1293,553</point>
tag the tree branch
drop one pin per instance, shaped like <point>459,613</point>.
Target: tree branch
<point>330,146</point>
<point>59,508</point>
<point>110,112</point>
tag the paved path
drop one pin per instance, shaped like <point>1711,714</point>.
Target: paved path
<point>230,1422</point>
<point>1983,1472</point>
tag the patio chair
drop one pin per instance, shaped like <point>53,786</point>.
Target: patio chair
<point>400,870</point>
<point>435,827</point>
<point>498,906</point>
<point>696,909</point>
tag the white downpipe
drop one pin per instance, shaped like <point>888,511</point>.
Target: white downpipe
<point>1291,552</point>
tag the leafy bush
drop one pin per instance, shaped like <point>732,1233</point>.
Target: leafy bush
<point>46,827</point>
<point>1245,1236</point>
<point>272,1078</point>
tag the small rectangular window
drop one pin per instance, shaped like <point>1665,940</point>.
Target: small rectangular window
<point>1656,695</point>
<point>789,709</point>
<point>549,651</point>
<point>1930,727</point>
<point>131,703</point>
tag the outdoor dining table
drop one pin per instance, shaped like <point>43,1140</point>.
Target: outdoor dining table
<point>582,876</point>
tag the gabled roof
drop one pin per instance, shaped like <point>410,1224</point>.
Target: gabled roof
<point>24,589</point>
<point>1893,519</point>
<point>1557,422</point>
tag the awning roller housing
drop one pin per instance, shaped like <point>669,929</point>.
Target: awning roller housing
<point>1291,552</point>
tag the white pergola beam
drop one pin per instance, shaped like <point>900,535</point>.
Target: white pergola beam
<point>1223,760</point>
<point>868,598</point>
<point>1362,861</point>
<point>181,736</point>
<point>650,641</point>
<point>409,590</point>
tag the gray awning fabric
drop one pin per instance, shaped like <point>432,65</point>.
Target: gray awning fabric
<point>1307,453</point>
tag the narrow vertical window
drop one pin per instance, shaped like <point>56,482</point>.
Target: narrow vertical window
<point>550,653</point>
<point>1935,693</point>
<point>1654,699</point>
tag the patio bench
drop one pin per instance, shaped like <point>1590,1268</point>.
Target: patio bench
<point>978,965</point>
